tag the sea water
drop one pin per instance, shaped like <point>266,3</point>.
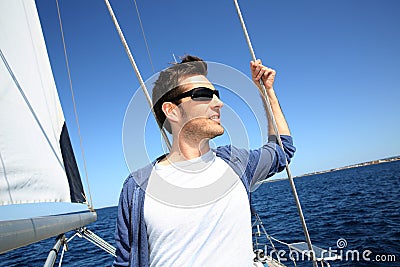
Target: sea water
<point>355,212</point>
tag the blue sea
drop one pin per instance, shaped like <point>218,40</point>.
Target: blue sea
<point>354,211</point>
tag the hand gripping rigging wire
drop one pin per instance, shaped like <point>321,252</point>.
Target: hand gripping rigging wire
<point>275,127</point>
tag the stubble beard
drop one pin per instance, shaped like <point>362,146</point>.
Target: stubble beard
<point>200,129</point>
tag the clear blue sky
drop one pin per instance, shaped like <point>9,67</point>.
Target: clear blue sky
<point>337,62</point>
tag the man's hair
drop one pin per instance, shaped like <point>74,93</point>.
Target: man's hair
<point>167,85</point>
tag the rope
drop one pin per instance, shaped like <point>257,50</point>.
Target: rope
<point>279,241</point>
<point>133,63</point>
<point>260,223</point>
<point>144,36</point>
<point>270,114</point>
<point>73,101</point>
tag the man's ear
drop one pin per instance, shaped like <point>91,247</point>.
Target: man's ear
<point>171,111</point>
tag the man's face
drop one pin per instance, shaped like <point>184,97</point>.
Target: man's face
<point>199,119</point>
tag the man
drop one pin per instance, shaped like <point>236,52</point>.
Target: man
<point>192,206</point>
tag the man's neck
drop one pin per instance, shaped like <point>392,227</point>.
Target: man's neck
<point>182,151</point>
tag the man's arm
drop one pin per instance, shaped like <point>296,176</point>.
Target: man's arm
<point>267,75</point>
<point>271,158</point>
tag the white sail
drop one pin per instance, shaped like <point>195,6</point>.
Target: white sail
<point>37,163</point>
<point>31,119</point>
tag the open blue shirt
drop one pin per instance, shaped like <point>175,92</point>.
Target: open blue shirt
<point>251,166</point>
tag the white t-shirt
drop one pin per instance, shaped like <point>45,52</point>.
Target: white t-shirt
<point>197,213</point>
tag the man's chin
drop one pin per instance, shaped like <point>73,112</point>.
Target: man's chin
<point>218,132</point>
<point>202,130</point>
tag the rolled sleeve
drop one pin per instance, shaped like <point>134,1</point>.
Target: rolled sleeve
<point>271,158</point>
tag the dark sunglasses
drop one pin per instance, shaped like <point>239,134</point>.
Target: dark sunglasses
<point>198,94</point>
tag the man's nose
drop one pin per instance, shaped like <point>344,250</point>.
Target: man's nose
<point>216,102</point>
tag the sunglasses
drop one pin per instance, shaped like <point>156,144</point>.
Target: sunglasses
<point>198,94</point>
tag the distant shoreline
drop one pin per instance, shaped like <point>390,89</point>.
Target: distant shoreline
<point>373,162</point>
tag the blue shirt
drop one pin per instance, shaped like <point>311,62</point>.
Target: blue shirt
<point>251,166</point>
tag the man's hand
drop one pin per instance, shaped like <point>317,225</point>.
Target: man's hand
<point>267,75</point>
<point>260,71</point>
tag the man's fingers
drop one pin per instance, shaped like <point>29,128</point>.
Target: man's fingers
<point>255,64</point>
<point>262,72</point>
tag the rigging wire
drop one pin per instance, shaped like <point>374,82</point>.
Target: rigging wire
<point>144,36</point>
<point>96,240</point>
<point>270,113</point>
<point>136,69</point>
<point>173,55</point>
<point>88,235</point>
<point>258,222</point>
<point>65,248</point>
<point>90,203</point>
